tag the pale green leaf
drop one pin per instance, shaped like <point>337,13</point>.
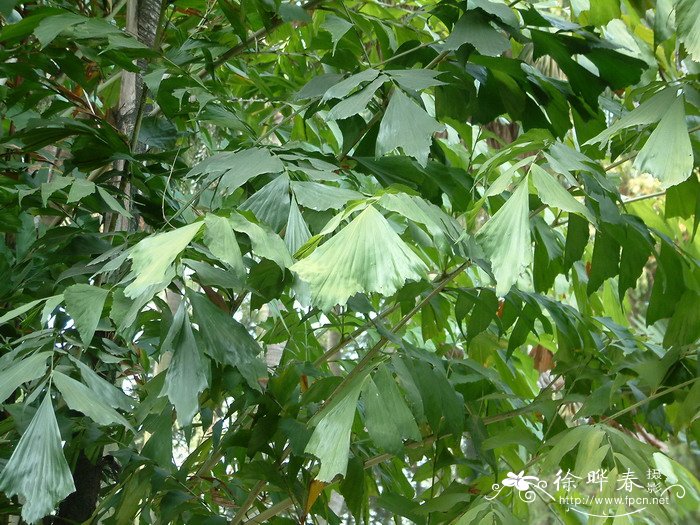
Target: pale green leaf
<point>103,389</point>
<point>498,9</point>
<point>270,204</point>
<point>79,189</point>
<point>387,417</point>
<point>337,27</point>
<point>476,29</point>
<point>22,371</point>
<point>505,239</point>
<point>553,194</point>
<point>297,232</point>
<point>418,210</point>
<point>79,397</point>
<point>365,256</point>
<point>318,85</point>
<point>504,179</point>
<point>186,375</point>
<point>648,112</point>
<point>50,305</point>
<point>321,197</point>
<point>265,243</point>
<point>667,153</point>
<point>153,256</point>
<point>16,312</point>
<point>221,241</point>
<point>237,167</point>
<point>56,183</point>
<point>415,79</point>
<point>343,88</point>
<point>330,442</point>
<point>84,304</point>
<point>50,27</point>
<point>406,125</point>
<point>37,470</point>
<point>688,23</point>
<point>357,102</point>
<point>113,203</point>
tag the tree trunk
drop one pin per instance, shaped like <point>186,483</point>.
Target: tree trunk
<point>142,20</point>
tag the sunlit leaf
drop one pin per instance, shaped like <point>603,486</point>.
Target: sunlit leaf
<point>506,240</point>
<point>330,441</point>
<point>152,258</point>
<point>365,256</point>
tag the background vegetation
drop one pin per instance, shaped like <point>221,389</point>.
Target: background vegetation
<point>323,262</point>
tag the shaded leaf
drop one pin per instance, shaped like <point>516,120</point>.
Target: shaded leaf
<point>407,126</point>
<point>186,375</point>
<point>226,340</point>
<point>388,419</point>
<point>22,371</point>
<point>79,397</point>
<point>84,304</point>
<point>37,470</point>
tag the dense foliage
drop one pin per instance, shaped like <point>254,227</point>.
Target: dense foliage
<point>265,261</point>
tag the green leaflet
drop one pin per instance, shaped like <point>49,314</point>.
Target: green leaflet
<point>337,27</point>
<point>79,397</point>
<point>416,209</point>
<point>84,304</point>
<point>16,312</point>
<point>226,340</point>
<point>688,23</point>
<point>321,197</point>
<point>152,258</point>
<point>103,389</point>
<point>358,102</point>
<point>553,194</point>
<point>387,417</point>
<point>186,375</point>
<point>365,256</point>
<point>648,112</point>
<point>221,241</point>
<point>318,85</point>
<point>237,167</point>
<point>37,470</point>
<point>113,203</point>
<point>49,188</point>
<point>505,239</point>
<point>297,232</point>
<point>415,79</point>
<point>265,243</point>
<point>22,371</point>
<point>667,153</point>
<point>52,26</point>
<point>475,29</point>
<point>684,326</point>
<point>270,204</point>
<point>330,442</point>
<point>79,189</point>
<point>407,126</point>
<point>343,88</point>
